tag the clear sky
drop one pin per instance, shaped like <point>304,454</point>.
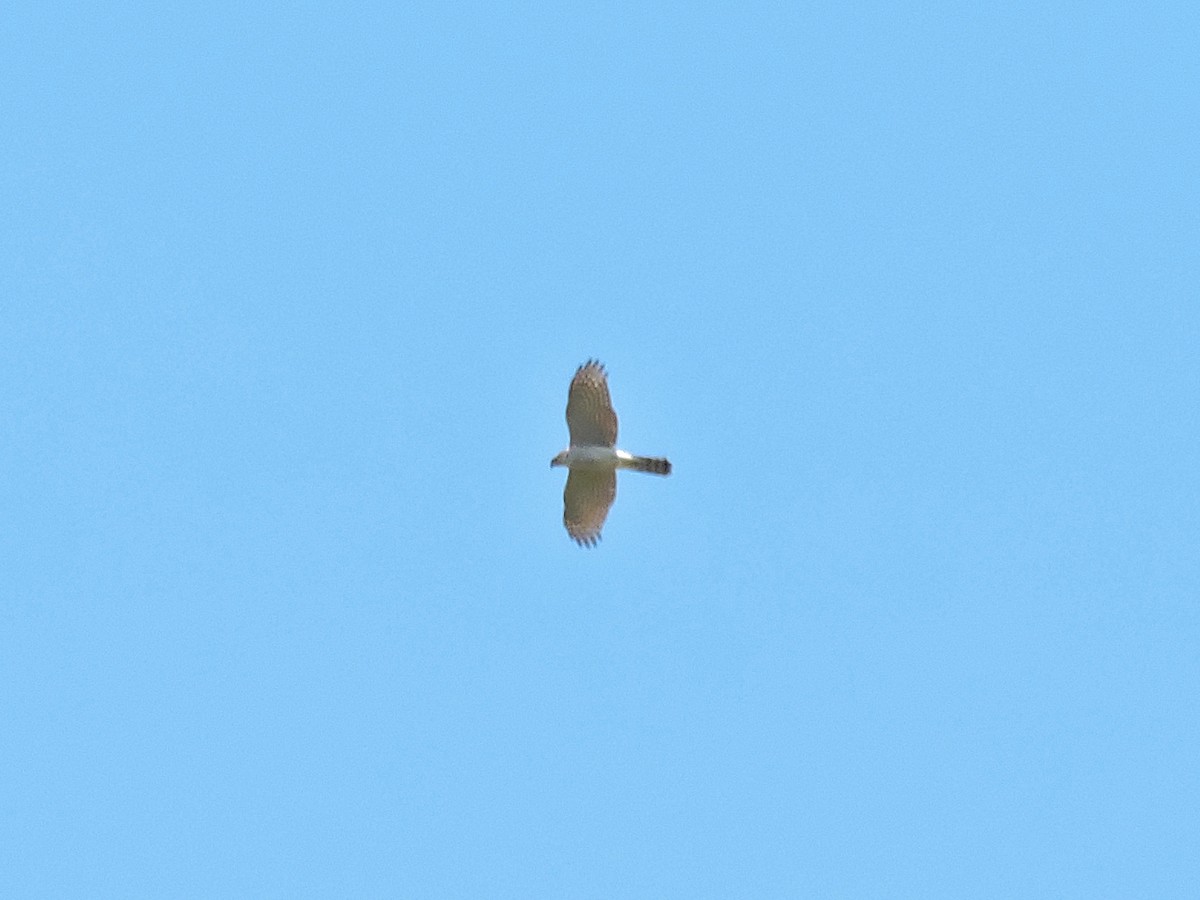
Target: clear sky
<point>290,296</point>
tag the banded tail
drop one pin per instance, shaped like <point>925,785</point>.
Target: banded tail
<point>656,465</point>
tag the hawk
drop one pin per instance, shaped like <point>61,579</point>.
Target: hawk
<point>593,457</point>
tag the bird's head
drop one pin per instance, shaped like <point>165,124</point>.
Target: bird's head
<point>560,460</point>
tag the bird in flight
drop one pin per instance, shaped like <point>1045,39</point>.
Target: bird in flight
<point>593,457</point>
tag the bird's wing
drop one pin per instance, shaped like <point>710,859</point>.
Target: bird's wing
<point>590,414</point>
<point>586,502</point>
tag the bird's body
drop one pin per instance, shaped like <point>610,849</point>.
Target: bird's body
<point>596,457</point>
<point>593,457</point>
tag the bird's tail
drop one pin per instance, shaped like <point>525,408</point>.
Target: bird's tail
<point>656,465</point>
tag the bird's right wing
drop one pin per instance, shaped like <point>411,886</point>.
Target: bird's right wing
<point>586,502</point>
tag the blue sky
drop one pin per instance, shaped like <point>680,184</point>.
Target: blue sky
<point>290,297</point>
